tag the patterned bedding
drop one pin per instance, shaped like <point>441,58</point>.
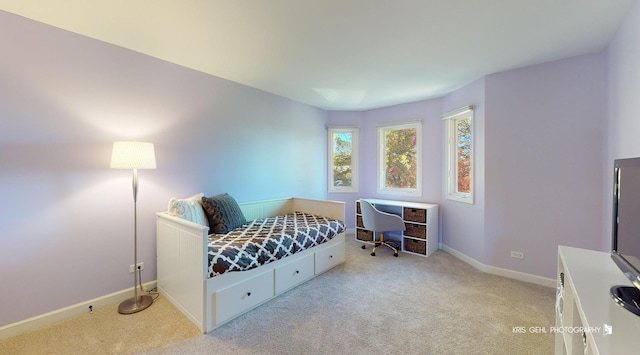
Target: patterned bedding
<point>265,240</point>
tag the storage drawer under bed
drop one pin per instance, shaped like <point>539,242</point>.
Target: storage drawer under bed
<point>329,257</point>
<point>243,296</point>
<point>294,273</point>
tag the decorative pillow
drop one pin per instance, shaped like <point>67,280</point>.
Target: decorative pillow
<point>223,212</point>
<point>189,208</point>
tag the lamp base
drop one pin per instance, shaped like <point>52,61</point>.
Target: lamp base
<point>130,306</point>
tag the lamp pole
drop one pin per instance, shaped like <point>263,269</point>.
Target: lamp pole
<point>134,155</point>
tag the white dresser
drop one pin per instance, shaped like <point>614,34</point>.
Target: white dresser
<point>588,321</point>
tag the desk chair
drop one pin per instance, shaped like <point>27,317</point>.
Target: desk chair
<point>382,222</point>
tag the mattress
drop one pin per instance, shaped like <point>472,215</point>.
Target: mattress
<point>262,241</point>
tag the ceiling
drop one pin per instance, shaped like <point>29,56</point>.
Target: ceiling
<point>343,54</point>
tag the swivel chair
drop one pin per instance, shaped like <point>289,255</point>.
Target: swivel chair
<point>377,221</point>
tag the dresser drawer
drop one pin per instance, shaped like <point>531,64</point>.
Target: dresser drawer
<point>243,296</point>
<point>329,257</point>
<point>294,273</point>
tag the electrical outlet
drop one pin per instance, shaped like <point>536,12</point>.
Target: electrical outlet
<point>517,254</point>
<point>132,269</point>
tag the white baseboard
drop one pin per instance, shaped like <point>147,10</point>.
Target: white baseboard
<point>517,275</point>
<point>49,318</point>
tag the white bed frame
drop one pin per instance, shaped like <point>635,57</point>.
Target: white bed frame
<point>210,302</point>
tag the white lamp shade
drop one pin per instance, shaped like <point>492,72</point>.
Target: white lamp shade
<point>133,155</point>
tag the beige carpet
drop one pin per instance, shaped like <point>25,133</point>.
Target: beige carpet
<point>105,331</point>
<point>369,305</point>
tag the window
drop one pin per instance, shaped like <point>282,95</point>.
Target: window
<point>460,155</point>
<point>343,159</point>
<point>400,159</point>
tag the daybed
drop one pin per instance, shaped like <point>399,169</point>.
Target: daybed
<point>210,299</point>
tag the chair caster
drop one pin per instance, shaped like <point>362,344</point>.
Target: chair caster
<point>373,254</point>
<point>364,247</point>
<point>395,254</point>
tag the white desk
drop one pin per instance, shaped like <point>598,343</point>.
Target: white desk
<point>421,222</point>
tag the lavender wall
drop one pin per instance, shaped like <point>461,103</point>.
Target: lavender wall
<point>429,111</point>
<point>66,228</point>
<point>538,174</point>
<point>462,225</point>
<point>544,146</point>
<point>623,125</point>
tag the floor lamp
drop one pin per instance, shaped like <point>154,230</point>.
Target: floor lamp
<point>134,155</point>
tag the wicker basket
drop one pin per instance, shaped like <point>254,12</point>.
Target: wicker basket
<point>415,246</point>
<point>416,230</point>
<point>359,222</point>
<point>364,235</point>
<point>415,215</point>
<point>358,207</point>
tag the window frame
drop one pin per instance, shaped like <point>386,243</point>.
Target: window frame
<point>355,131</point>
<point>451,172</point>
<point>381,159</point>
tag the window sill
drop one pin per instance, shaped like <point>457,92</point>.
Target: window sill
<point>401,192</point>
<point>461,198</point>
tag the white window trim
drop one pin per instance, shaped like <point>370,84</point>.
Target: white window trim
<point>451,173</point>
<point>381,189</point>
<point>354,159</point>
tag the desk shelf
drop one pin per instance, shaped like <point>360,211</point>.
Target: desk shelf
<point>421,223</point>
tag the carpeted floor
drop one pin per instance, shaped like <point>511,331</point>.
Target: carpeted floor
<point>105,331</point>
<point>369,305</point>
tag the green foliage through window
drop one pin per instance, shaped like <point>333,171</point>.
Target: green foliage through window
<point>401,160</point>
<point>342,149</point>
<point>343,159</point>
<point>399,155</point>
